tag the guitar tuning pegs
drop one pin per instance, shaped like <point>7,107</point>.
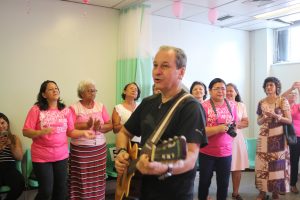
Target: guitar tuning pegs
<point>165,142</point>
<point>175,137</point>
<point>170,139</point>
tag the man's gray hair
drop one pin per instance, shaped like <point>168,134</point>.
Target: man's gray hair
<point>180,55</point>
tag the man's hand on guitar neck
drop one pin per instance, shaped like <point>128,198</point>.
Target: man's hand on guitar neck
<point>150,168</point>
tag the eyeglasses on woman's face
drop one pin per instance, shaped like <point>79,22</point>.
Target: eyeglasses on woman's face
<point>92,91</point>
<point>219,89</point>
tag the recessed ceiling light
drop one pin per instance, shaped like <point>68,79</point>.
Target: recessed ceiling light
<point>280,12</point>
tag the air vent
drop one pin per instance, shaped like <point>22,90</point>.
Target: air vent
<point>224,17</point>
<point>282,21</point>
<point>258,2</point>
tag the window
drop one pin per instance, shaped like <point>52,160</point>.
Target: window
<point>287,44</point>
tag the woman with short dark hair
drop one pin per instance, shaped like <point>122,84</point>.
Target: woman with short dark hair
<point>221,116</point>
<point>272,164</point>
<point>199,91</point>
<point>122,111</point>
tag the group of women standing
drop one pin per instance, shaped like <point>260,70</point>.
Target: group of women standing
<point>273,156</point>
<point>49,122</point>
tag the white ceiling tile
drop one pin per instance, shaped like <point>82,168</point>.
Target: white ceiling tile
<point>243,11</point>
<point>187,11</point>
<point>104,3</point>
<point>158,4</point>
<point>207,3</point>
<point>125,3</point>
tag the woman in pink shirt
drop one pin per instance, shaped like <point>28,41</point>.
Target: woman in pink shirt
<point>291,95</point>
<point>221,116</point>
<point>48,123</point>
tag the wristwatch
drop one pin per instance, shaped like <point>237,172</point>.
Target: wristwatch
<point>119,150</point>
<point>168,173</point>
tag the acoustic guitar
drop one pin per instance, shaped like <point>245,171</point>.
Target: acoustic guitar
<point>168,151</point>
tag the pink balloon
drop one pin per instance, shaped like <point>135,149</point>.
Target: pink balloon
<point>212,15</point>
<point>177,8</point>
<point>85,1</point>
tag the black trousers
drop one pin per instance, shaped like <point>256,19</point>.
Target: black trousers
<point>13,178</point>
<point>52,178</point>
<point>294,156</point>
<point>209,164</point>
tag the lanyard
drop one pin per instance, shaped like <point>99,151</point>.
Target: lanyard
<point>215,111</point>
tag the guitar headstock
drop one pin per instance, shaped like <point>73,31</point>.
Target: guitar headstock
<point>170,150</point>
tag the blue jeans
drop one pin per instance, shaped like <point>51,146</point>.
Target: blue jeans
<point>209,164</point>
<point>52,178</point>
<point>294,157</point>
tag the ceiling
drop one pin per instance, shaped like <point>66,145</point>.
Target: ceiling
<point>242,12</point>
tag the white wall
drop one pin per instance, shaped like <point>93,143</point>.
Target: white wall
<point>261,60</point>
<point>212,52</point>
<point>287,73</point>
<point>55,40</point>
<point>262,67</point>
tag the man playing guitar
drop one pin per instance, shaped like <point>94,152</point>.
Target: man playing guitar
<point>161,181</point>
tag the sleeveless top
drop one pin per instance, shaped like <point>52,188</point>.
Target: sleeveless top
<point>124,114</point>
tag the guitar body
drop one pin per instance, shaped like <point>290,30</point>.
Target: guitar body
<point>170,150</point>
<point>123,181</point>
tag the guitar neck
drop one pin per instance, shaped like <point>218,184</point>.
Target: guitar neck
<point>132,164</point>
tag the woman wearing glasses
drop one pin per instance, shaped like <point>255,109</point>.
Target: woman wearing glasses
<point>10,151</point>
<point>88,156</point>
<point>221,115</point>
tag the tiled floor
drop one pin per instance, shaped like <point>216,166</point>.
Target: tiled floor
<point>247,189</point>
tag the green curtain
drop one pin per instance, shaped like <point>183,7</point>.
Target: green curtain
<point>126,73</point>
<point>134,70</point>
<point>134,62</point>
<point>144,76</point>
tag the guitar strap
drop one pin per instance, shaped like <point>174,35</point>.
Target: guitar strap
<point>159,130</point>
<point>214,108</point>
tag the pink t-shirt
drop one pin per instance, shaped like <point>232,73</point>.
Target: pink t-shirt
<point>82,114</point>
<point>219,145</point>
<point>53,146</point>
<point>295,110</point>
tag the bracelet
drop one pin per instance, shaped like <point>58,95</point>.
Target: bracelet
<point>119,150</point>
